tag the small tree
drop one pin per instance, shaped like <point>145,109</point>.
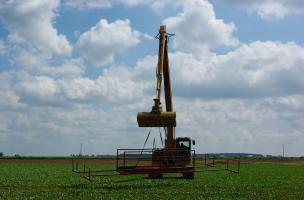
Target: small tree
<point>1,154</point>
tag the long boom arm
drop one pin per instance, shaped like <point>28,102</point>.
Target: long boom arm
<point>159,71</point>
<point>158,118</point>
<point>170,143</point>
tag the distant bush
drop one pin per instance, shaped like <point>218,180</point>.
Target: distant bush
<point>1,154</point>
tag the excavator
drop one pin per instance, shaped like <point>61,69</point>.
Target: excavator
<point>176,155</point>
<point>176,151</point>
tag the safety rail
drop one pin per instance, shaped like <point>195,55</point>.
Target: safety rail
<point>144,157</point>
<point>128,161</point>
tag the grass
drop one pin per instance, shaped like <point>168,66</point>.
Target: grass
<point>55,181</point>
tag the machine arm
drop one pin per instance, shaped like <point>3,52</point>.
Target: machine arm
<point>159,71</point>
<point>158,118</point>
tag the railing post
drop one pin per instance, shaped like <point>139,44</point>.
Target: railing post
<point>194,158</point>
<point>89,174</point>
<point>205,159</point>
<point>117,159</point>
<point>124,160</point>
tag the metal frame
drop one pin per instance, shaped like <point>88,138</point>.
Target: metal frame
<point>129,162</point>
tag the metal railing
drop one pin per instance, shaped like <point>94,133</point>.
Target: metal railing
<point>140,161</point>
<point>127,158</point>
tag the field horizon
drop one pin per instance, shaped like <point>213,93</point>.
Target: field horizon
<point>52,179</point>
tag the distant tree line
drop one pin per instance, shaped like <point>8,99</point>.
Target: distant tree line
<point>92,156</point>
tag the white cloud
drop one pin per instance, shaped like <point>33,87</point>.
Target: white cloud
<point>157,5</point>
<point>38,63</point>
<point>30,23</point>
<point>197,29</point>
<point>271,9</point>
<point>103,4</point>
<point>115,85</point>
<point>9,99</point>
<point>3,127</point>
<point>105,107</point>
<point>249,99</point>
<point>2,48</point>
<point>41,87</point>
<point>266,9</point>
<point>134,2</point>
<point>69,69</point>
<point>293,102</point>
<point>88,4</point>
<point>77,89</point>
<point>236,125</point>
<point>102,41</point>
<point>254,70</point>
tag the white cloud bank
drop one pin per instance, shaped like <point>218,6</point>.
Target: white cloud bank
<point>246,100</point>
<point>255,70</point>
<point>102,4</point>
<point>110,87</point>
<point>266,9</point>
<point>197,29</point>
<point>271,9</point>
<point>252,71</point>
<point>99,44</point>
<point>31,23</point>
<point>88,4</point>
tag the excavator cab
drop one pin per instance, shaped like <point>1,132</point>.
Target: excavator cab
<point>183,143</point>
<point>183,150</point>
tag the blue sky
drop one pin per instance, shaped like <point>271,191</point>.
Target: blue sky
<point>79,71</point>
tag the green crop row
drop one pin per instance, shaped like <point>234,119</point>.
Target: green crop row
<point>56,181</point>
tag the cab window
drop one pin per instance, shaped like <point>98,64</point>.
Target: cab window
<point>184,144</point>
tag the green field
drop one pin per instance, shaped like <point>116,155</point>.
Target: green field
<point>55,181</point>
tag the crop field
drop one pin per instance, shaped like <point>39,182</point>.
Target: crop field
<point>54,180</point>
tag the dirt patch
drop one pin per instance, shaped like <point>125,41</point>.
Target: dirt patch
<point>113,161</point>
<point>291,161</point>
<point>58,161</point>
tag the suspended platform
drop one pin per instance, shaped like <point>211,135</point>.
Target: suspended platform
<point>143,161</point>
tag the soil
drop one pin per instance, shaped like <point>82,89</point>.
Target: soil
<point>57,160</point>
<point>294,161</point>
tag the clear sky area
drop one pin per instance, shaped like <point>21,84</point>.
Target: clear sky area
<point>77,72</point>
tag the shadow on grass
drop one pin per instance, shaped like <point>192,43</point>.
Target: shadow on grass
<point>116,187</point>
<point>123,184</point>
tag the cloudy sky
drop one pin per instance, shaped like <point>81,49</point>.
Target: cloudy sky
<point>78,71</point>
